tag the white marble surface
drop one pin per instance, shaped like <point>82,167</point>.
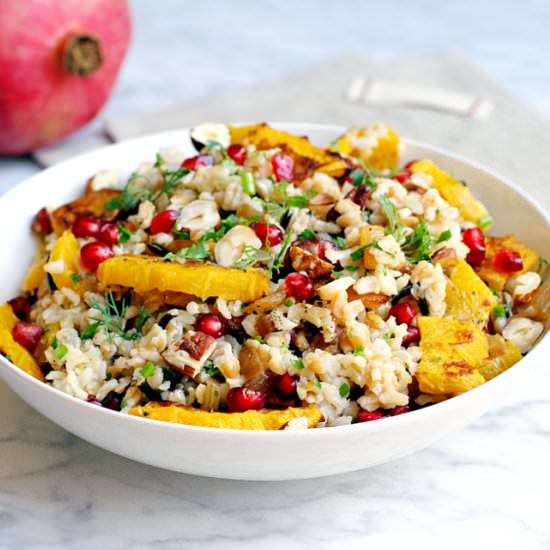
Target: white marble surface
<point>485,487</point>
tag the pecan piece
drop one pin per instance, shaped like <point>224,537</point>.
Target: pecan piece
<point>302,260</point>
<point>189,354</point>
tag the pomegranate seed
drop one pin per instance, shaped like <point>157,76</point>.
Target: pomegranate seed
<point>268,232</point>
<point>41,223</point>
<point>283,167</point>
<point>403,176</point>
<point>359,195</point>
<point>93,401</point>
<point>286,385</point>
<point>299,286</point>
<point>412,336</point>
<point>20,306</point>
<point>112,401</point>
<point>92,254</point>
<point>237,153</point>
<point>193,163</point>
<point>403,313</point>
<point>211,324</point>
<point>27,334</point>
<point>244,399</point>
<point>109,233</point>
<point>367,416</point>
<point>163,222</point>
<point>474,239</point>
<point>400,409</point>
<point>507,260</point>
<point>86,227</point>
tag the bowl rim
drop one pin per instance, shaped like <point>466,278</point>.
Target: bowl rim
<point>342,431</point>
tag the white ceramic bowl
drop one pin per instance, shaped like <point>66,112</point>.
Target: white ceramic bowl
<point>247,454</point>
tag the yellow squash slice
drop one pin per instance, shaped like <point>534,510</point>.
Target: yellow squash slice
<point>468,298</point>
<point>502,355</point>
<point>452,351</point>
<point>497,279</point>
<point>377,146</point>
<point>35,275</point>
<point>66,248</point>
<point>453,191</point>
<point>16,353</point>
<point>249,420</point>
<point>307,157</point>
<point>145,273</point>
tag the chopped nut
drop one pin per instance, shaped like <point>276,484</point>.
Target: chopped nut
<point>302,260</point>
<point>189,354</point>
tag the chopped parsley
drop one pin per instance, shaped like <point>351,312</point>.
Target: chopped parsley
<point>418,246</point>
<point>358,350</point>
<point>147,370</point>
<point>259,339</point>
<point>76,278</point>
<point>359,177</point>
<point>211,369</point>
<point>352,267</point>
<point>317,382</point>
<point>125,233</point>
<point>444,236</point>
<point>543,268</point>
<point>289,302</point>
<point>340,242</point>
<point>387,338</point>
<point>358,253</point>
<point>307,234</point>
<point>129,198</point>
<point>344,390</point>
<point>89,331</point>
<point>279,210</point>
<point>298,364</point>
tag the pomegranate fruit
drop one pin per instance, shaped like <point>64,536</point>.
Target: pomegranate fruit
<point>59,63</point>
<point>109,233</point>
<point>507,261</point>
<point>237,153</point>
<point>283,167</point>
<point>286,385</point>
<point>27,334</point>
<point>20,306</point>
<point>194,163</point>
<point>86,227</point>
<point>92,254</point>
<point>403,313</point>
<point>412,336</point>
<point>163,222</point>
<point>211,324</point>
<point>367,416</point>
<point>299,286</point>
<point>267,233</point>
<point>244,399</point>
<point>474,239</point>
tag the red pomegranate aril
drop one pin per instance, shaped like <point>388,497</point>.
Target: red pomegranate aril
<point>41,223</point>
<point>367,416</point>
<point>267,232</point>
<point>112,401</point>
<point>403,313</point>
<point>400,409</point>
<point>27,334</point>
<point>193,163</point>
<point>324,246</point>
<point>412,336</point>
<point>86,227</point>
<point>237,153</point>
<point>244,399</point>
<point>20,306</point>
<point>211,324</point>
<point>283,167</point>
<point>286,385</point>
<point>163,222</point>
<point>474,239</point>
<point>92,254</point>
<point>299,286</point>
<point>507,261</point>
<point>109,233</point>
<point>403,176</point>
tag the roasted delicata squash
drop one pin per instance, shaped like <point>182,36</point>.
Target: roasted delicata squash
<point>35,275</point>
<point>468,298</point>
<point>492,276</point>
<point>454,192</point>
<point>452,352</point>
<point>502,355</point>
<point>144,273</point>
<point>249,420</point>
<point>67,250</point>
<point>91,204</point>
<point>377,146</point>
<point>16,353</point>
<point>307,157</point>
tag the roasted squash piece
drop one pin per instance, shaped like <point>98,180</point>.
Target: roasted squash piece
<point>66,248</point>
<point>377,146</point>
<point>453,191</point>
<point>145,273</point>
<point>8,319</point>
<point>307,157</point>
<point>502,355</point>
<point>17,354</point>
<point>452,351</point>
<point>35,275</point>
<point>468,298</point>
<point>90,204</point>
<point>249,420</point>
<point>497,279</point>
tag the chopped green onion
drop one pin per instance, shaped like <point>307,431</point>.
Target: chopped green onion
<point>307,234</point>
<point>60,351</point>
<point>248,183</point>
<point>500,310</point>
<point>358,350</point>
<point>298,364</point>
<point>147,369</point>
<point>445,236</point>
<point>344,390</point>
<point>485,222</point>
